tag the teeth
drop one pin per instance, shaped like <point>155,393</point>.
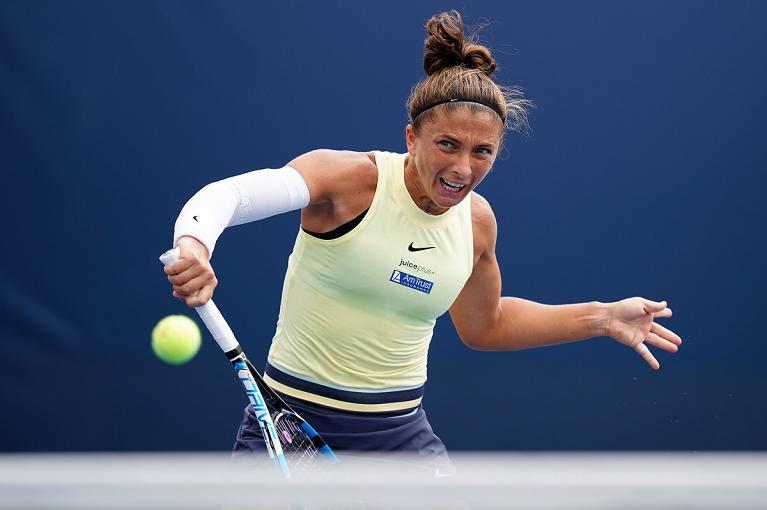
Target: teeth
<point>452,184</point>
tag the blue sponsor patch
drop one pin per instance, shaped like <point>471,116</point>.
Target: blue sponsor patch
<point>413,282</point>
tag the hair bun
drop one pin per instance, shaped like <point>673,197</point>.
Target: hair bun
<point>476,56</point>
<point>446,46</point>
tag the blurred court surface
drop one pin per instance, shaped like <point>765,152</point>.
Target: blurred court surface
<point>489,481</point>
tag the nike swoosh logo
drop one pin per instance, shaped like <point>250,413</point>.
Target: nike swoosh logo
<point>410,248</point>
<point>195,219</point>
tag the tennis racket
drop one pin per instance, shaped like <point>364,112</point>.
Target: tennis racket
<point>290,440</point>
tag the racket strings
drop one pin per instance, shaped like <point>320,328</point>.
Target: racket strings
<point>299,449</point>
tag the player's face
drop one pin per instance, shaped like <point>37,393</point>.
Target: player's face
<point>449,156</point>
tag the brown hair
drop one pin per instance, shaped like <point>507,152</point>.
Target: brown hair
<point>459,74</point>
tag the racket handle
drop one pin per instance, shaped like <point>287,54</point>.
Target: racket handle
<point>209,313</point>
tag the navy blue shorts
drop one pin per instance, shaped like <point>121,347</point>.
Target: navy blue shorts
<point>345,431</point>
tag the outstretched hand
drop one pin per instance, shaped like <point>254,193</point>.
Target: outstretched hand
<point>632,323</point>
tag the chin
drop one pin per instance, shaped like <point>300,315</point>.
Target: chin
<point>448,202</point>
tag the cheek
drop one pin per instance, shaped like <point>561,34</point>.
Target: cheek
<point>431,162</point>
<point>481,173</point>
<point>439,160</point>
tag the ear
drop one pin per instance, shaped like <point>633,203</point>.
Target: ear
<point>410,139</point>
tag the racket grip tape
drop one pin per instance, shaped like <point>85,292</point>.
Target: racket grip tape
<point>209,313</point>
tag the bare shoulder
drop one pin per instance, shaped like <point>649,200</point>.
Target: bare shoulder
<point>334,160</point>
<point>330,174</point>
<point>482,215</point>
<point>484,225</point>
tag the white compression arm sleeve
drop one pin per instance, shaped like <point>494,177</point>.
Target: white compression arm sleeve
<point>240,199</point>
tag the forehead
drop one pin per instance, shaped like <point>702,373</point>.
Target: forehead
<point>463,121</point>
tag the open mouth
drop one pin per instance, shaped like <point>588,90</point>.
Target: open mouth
<point>451,187</point>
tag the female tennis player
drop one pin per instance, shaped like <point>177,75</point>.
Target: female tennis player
<point>388,243</point>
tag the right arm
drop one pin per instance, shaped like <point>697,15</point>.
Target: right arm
<point>323,183</point>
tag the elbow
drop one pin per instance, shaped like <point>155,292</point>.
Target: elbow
<point>472,342</point>
<point>480,342</point>
<point>487,341</point>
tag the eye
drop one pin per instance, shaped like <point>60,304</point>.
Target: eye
<point>485,151</point>
<point>447,144</point>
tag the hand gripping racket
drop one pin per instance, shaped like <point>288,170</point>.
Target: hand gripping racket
<point>291,442</point>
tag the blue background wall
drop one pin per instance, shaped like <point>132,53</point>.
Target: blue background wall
<point>643,175</point>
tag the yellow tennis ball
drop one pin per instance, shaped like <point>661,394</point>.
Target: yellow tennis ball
<point>176,339</point>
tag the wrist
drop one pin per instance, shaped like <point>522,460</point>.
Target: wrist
<point>601,319</point>
<point>195,245</point>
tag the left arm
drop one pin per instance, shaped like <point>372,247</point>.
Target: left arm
<point>485,320</point>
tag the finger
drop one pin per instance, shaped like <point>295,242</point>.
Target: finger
<point>186,275</point>
<point>660,343</point>
<point>643,351</point>
<point>195,284</point>
<point>197,299</point>
<point>179,266</point>
<point>653,306</point>
<point>664,314</point>
<point>201,297</point>
<point>666,334</point>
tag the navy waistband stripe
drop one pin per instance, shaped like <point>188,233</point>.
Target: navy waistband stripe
<point>358,397</point>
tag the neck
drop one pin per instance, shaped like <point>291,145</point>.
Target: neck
<point>415,188</point>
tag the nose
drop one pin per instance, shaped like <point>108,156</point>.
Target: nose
<point>462,166</point>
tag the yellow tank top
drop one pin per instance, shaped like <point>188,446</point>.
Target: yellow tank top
<point>358,312</point>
